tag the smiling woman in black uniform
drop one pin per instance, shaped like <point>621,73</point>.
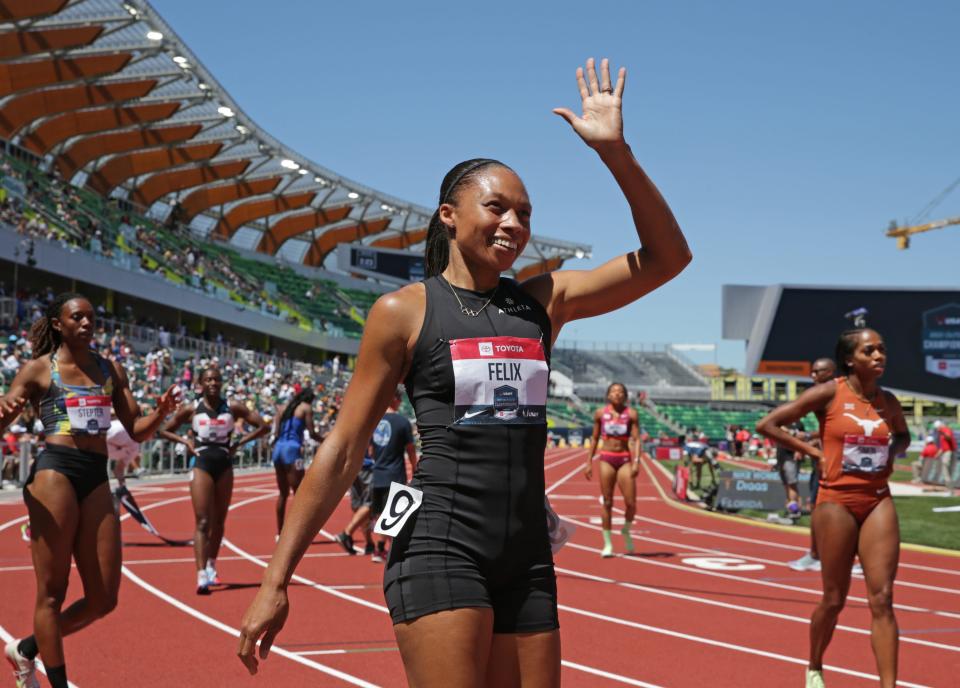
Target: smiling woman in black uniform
<point>470,581</point>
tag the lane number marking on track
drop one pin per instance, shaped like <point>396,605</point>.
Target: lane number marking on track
<point>722,564</point>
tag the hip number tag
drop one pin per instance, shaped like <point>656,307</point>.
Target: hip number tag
<point>402,501</point>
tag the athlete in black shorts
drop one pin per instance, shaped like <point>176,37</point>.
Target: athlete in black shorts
<point>211,484</point>
<point>470,580</point>
<point>67,494</point>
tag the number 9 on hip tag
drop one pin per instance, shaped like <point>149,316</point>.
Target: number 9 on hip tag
<point>402,501</point>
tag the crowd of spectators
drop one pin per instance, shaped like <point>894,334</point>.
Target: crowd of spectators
<point>39,205</point>
<point>263,388</point>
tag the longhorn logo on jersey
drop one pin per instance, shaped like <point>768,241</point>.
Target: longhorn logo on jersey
<point>867,425</point>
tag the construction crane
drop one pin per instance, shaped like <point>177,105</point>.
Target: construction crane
<point>903,234</point>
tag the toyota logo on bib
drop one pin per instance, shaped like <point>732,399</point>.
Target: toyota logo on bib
<point>485,348</point>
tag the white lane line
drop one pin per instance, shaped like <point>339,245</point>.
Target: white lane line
<point>357,600</point>
<point>10,524</point>
<point>305,581</point>
<point>187,560</point>
<point>725,645</point>
<point>4,633</point>
<point>356,587</point>
<point>775,562</point>
<point>229,629</point>
<point>595,498</point>
<point>607,674</point>
<point>571,454</point>
<point>344,651</point>
<point>745,579</point>
<point>737,607</point>
<point>779,545</point>
<point>574,610</point>
<point>578,469</point>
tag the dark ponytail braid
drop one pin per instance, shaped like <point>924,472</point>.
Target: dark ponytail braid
<point>43,338</point>
<point>304,395</point>
<point>437,252</point>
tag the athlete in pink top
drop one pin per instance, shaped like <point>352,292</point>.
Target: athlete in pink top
<point>616,426</point>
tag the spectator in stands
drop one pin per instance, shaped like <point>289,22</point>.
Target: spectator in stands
<point>11,360</point>
<point>163,337</point>
<point>947,444</point>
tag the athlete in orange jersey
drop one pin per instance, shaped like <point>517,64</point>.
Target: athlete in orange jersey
<point>617,426</point>
<point>862,430</point>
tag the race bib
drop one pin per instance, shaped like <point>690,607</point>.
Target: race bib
<point>214,429</point>
<point>615,429</point>
<point>88,414</point>
<point>402,502</point>
<point>559,531</point>
<point>863,454</point>
<point>499,380</point>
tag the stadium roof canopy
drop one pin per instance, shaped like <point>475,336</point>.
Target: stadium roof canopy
<point>106,94</point>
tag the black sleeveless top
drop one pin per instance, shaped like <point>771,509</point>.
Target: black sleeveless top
<point>213,427</point>
<point>478,386</point>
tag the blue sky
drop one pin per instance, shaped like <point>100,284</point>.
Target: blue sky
<point>785,136</point>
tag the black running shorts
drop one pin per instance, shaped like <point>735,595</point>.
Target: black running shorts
<point>85,470</point>
<point>214,460</point>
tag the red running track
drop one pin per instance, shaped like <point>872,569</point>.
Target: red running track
<point>706,600</point>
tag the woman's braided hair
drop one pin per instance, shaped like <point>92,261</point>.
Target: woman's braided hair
<point>437,252</point>
<point>304,395</point>
<point>43,338</point>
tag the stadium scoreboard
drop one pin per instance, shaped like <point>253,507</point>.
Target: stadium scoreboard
<point>787,327</point>
<point>387,264</point>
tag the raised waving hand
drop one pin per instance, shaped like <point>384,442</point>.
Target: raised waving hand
<point>601,122</point>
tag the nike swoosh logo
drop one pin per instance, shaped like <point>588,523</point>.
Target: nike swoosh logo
<point>883,491</point>
<point>474,413</point>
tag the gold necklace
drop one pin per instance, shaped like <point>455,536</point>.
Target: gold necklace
<point>469,311</point>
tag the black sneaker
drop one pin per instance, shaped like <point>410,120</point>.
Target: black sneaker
<point>346,542</point>
<point>368,550</point>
